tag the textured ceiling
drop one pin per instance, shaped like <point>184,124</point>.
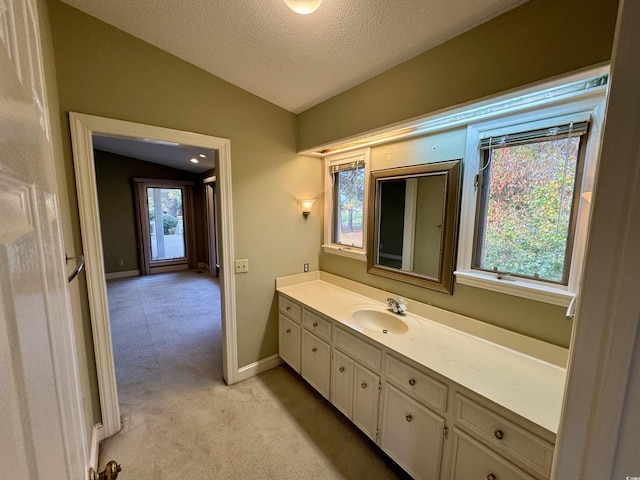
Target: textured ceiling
<point>292,60</point>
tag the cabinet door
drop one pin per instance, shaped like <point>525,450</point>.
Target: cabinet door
<point>473,460</point>
<point>412,435</point>
<point>342,383</point>
<point>316,362</point>
<point>366,400</point>
<point>289,338</point>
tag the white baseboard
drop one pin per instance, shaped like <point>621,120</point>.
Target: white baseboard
<point>260,366</point>
<point>125,274</point>
<point>96,436</point>
<point>203,266</point>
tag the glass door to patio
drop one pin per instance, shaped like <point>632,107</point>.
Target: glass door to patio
<point>166,223</point>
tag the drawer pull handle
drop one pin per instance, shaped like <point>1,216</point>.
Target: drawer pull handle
<point>412,382</point>
<point>408,418</point>
<point>288,308</point>
<point>499,434</point>
<point>288,330</point>
<point>364,385</point>
<point>341,369</point>
<point>314,349</point>
<point>491,476</point>
<point>315,324</point>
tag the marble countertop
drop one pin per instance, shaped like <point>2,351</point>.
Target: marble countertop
<point>523,384</point>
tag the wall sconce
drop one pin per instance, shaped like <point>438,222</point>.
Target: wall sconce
<point>303,7</point>
<point>306,205</point>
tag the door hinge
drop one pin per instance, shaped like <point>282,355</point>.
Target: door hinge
<point>445,432</point>
<point>377,433</point>
<point>379,387</point>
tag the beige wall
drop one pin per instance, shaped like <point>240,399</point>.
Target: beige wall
<point>538,40</point>
<point>539,320</point>
<point>103,71</point>
<point>114,175</point>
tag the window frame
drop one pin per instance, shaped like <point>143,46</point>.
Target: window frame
<point>589,109</point>
<point>329,245</point>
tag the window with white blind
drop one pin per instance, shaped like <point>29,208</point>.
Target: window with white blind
<point>345,210</point>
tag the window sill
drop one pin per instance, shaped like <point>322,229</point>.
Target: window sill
<point>518,288</point>
<point>349,252</point>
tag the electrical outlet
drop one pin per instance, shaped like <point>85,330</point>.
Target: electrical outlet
<point>121,263</point>
<point>306,267</point>
<point>242,266</point>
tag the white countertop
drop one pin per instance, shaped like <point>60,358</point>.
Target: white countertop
<point>526,385</point>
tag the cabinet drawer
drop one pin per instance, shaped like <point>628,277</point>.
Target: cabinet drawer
<point>290,308</point>
<point>416,383</point>
<point>317,325</point>
<point>505,436</point>
<point>366,354</point>
<point>473,460</point>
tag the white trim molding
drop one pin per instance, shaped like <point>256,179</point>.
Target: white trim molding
<point>96,436</point>
<point>258,367</point>
<point>83,127</point>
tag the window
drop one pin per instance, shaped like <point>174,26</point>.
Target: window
<point>525,224</point>
<point>526,201</point>
<point>345,223</point>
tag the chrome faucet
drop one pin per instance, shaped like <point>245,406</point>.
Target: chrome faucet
<point>396,306</point>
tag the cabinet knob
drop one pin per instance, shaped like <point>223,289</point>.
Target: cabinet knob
<point>288,330</point>
<point>412,382</point>
<point>499,434</point>
<point>315,324</point>
<point>491,476</point>
<point>408,418</point>
<point>341,369</point>
<point>314,349</point>
<point>364,385</point>
<point>288,308</point>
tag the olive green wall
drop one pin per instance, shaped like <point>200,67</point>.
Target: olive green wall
<point>103,71</point>
<point>539,320</point>
<point>535,41</point>
<point>116,198</point>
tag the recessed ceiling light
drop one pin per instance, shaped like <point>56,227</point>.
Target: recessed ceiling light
<point>202,155</point>
<point>194,160</point>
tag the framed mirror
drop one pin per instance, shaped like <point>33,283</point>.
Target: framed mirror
<point>413,224</point>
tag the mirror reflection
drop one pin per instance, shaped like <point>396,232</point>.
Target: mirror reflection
<point>414,224</point>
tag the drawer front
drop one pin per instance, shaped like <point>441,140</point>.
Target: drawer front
<point>316,362</point>
<point>366,354</point>
<point>412,435</point>
<point>473,460</point>
<point>416,383</point>
<point>506,437</point>
<point>290,308</point>
<point>289,342</point>
<point>317,325</point>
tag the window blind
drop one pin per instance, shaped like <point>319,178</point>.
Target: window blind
<point>572,129</point>
<point>341,167</point>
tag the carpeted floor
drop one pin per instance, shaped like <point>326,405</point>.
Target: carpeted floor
<point>180,420</point>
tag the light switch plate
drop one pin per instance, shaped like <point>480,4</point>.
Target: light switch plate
<point>242,266</point>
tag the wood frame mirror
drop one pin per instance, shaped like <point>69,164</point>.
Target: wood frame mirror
<point>413,219</point>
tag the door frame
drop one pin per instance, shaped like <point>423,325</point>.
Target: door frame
<point>212,223</point>
<point>83,127</point>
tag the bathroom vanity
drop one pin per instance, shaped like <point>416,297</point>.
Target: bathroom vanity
<point>445,396</point>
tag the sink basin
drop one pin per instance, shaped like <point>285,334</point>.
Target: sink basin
<point>381,320</point>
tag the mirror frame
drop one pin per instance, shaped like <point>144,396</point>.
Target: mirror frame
<point>451,169</point>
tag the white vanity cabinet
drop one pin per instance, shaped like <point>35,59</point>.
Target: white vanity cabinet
<point>492,440</point>
<point>413,434</point>
<point>316,351</point>
<point>289,331</point>
<point>356,387</point>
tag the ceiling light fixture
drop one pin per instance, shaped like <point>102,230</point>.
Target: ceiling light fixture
<point>303,7</point>
<point>194,160</point>
<point>202,155</point>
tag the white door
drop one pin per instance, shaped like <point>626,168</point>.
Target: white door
<point>41,422</point>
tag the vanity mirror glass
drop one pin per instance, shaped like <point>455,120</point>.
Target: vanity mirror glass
<point>414,224</point>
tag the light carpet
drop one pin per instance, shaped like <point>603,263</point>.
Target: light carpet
<point>180,420</point>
